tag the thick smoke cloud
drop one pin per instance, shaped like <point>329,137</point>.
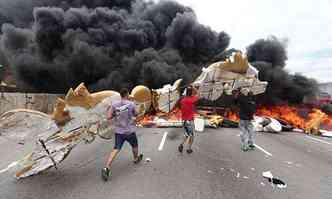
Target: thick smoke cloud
<point>107,44</point>
<point>269,50</point>
<point>20,12</point>
<point>194,41</point>
<point>162,15</point>
<point>48,29</point>
<point>269,56</point>
<point>56,44</point>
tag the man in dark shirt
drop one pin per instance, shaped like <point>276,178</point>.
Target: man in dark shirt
<point>247,105</point>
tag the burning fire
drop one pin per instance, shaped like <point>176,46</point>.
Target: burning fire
<point>286,113</point>
<point>313,118</point>
<point>232,116</point>
<point>173,116</point>
<point>308,119</point>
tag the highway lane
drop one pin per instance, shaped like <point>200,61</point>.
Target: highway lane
<point>216,169</point>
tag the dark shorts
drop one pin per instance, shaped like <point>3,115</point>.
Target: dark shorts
<point>188,126</point>
<point>121,138</point>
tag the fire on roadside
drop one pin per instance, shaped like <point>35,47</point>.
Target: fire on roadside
<point>299,117</point>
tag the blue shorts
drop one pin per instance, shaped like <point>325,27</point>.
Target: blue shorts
<point>121,138</point>
<point>188,126</point>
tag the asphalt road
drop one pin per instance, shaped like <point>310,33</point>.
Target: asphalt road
<point>216,169</point>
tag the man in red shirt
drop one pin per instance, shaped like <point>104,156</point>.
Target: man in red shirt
<point>187,105</point>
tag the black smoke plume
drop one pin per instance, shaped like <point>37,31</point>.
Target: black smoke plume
<point>54,45</point>
<point>269,56</point>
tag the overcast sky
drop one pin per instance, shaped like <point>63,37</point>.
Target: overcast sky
<point>307,24</point>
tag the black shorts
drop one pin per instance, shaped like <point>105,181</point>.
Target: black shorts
<point>121,138</point>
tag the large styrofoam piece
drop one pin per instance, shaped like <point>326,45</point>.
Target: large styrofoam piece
<point>273,125</point>
<point>167,97</point>
<point>224,77</point>
<point>58,140</point>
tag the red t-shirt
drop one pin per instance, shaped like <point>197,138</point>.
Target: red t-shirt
<point>188,107</point>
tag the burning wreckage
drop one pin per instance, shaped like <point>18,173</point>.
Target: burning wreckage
<point>220,78</point>
<point>81,116</point>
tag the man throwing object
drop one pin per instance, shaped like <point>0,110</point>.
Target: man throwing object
<point>122,114</point>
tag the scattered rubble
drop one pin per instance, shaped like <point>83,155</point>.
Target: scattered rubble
<point>274,181</point>
<point>326,133</point>
<point>288,162</point>
<point>21,142</point>
<point>267,124</point>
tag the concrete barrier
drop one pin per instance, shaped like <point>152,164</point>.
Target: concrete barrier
<point>39,102</point>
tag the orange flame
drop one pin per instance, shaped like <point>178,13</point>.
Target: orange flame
<point>174,115</point>
<point>289,114</point>
<point>283,112</point>
<point>232,116</point>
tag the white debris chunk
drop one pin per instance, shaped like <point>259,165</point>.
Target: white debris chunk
<point>267,174</point>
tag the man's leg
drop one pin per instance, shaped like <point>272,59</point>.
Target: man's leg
<point>191,136</point>
<point>251,132</point>
<point>190,142</point>
<point>243,135</point>
<point>132,139</point>
<point>119,139</point>
<point>112,157</point>
<point>185,140</point>
<point>186,136</point>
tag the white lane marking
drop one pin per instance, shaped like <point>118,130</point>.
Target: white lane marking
<point>260,148</point>
<point>319,140</point>
<point>161,145</point>
<point>8,167</point>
